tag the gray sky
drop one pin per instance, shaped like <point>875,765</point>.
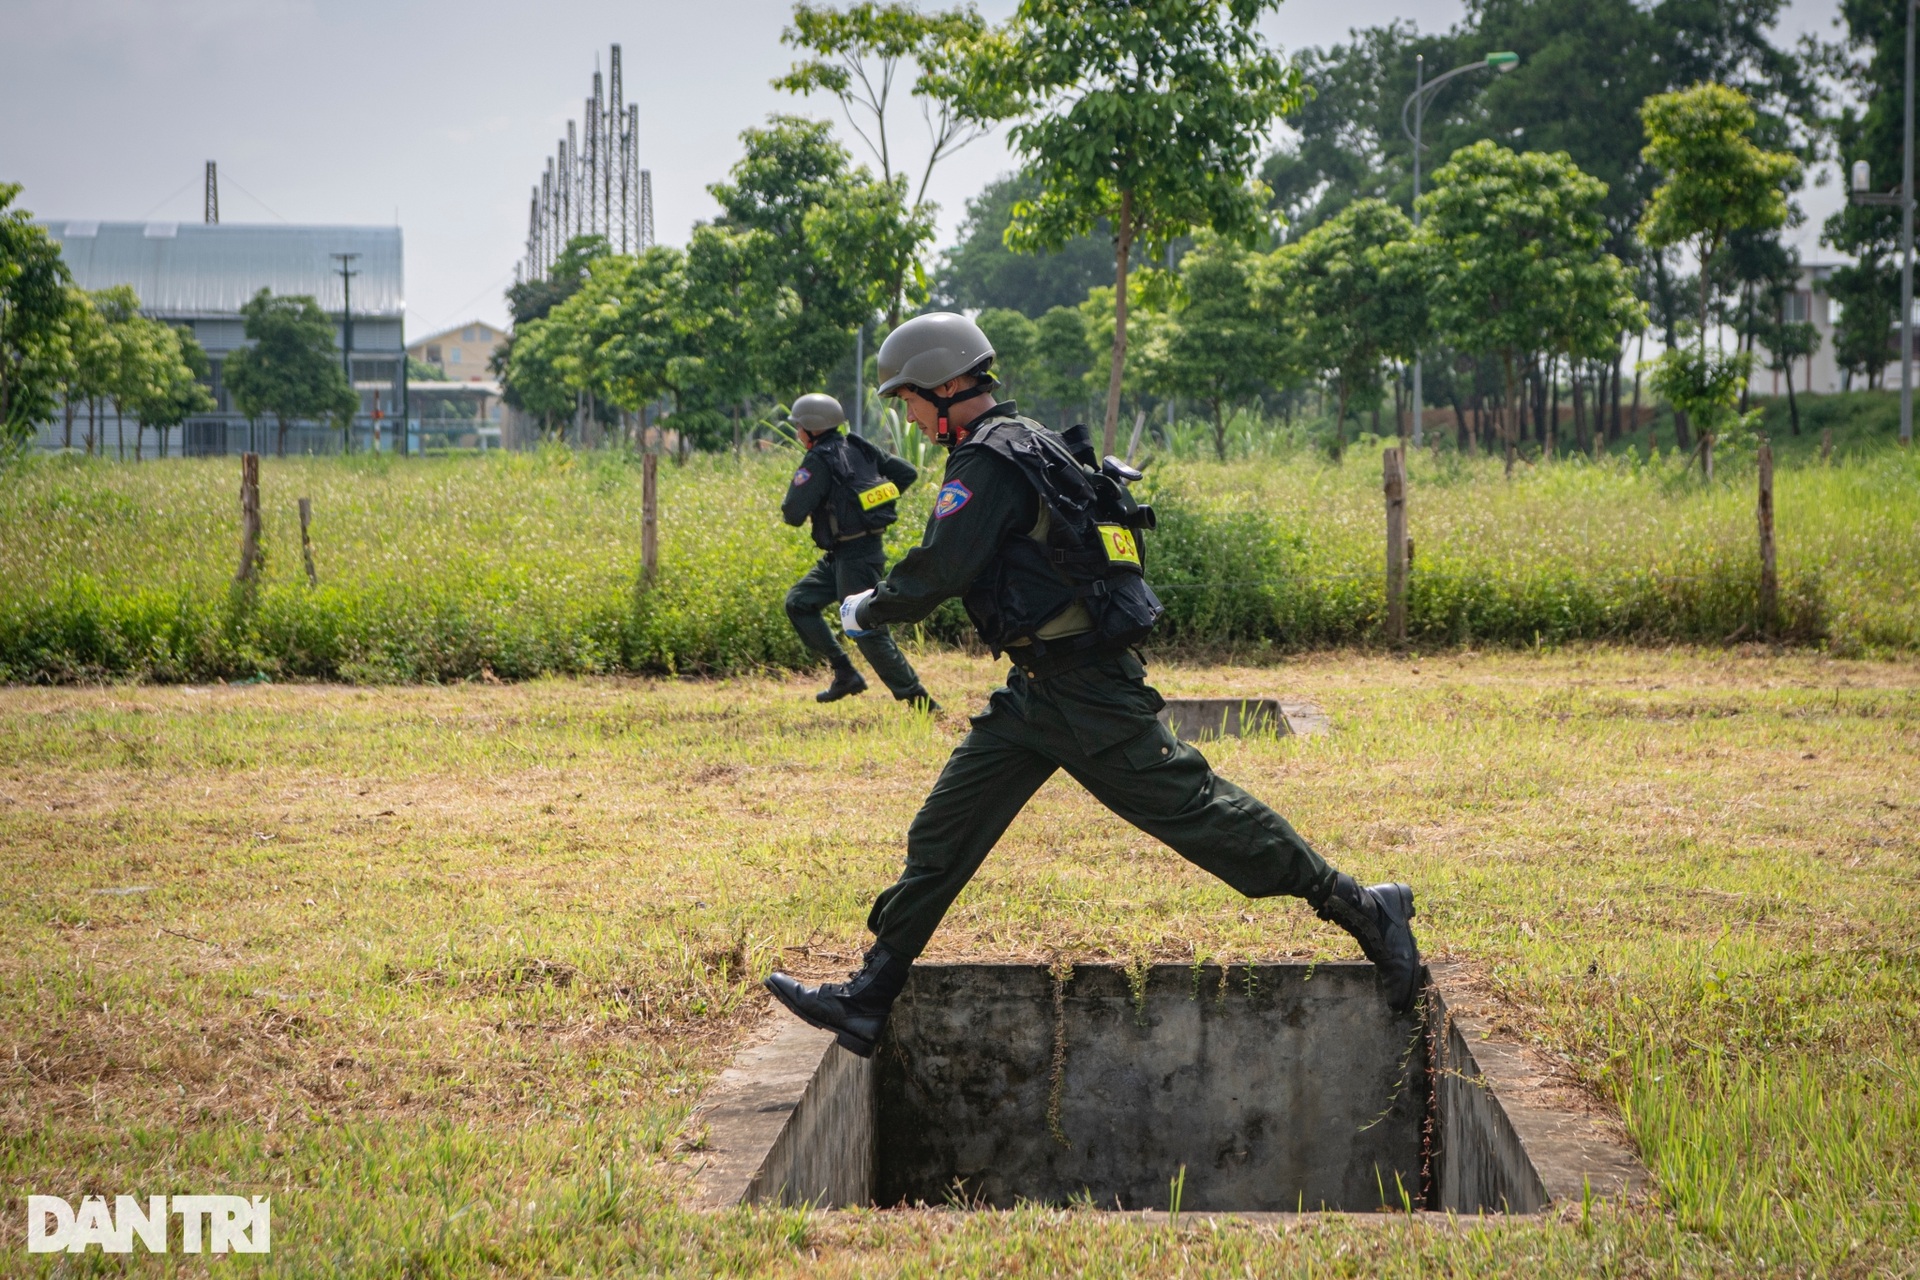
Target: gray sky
<point>364,111</point>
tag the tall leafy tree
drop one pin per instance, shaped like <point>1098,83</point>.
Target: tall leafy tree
<point>174,387</point>
<point>1062,361</point>
<point>1347,296</point>
<point>1149,115</point>
<point>94,335</point>
<point>981,271</point>
<point>1213,346</point>
<point>1015,340</point>
<point>35,320</point>
<point>860,54</point>
<point>1786,341</point>
<point>1868,294</point>
<point>1716,182</point>
<point>1514,247</point>
<point>530,384</point>
<point>292,369</point>
<point>815,240</point>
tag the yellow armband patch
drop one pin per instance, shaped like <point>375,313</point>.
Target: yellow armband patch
<point>1118,542</point>
<point>884,492</point>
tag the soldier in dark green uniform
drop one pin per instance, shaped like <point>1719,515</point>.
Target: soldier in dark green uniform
<point>1052,577</point>
<point>848,489</point>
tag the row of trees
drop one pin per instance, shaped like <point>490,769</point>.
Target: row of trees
<point>64,350</point>
<point>72,356</point>
<point>1140,128</point>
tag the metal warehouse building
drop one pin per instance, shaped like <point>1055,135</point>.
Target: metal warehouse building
<point>201,274</point>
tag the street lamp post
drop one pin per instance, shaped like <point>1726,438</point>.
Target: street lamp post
<point>1423,92</point>
<point>1903,196</point>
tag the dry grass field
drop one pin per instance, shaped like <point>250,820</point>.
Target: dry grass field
<point>443,969</point>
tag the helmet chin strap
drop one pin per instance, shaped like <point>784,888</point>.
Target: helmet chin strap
<point>944,434</point>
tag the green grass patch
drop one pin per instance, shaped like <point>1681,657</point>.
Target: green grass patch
<point>443,970</point>
<point>525,565</point>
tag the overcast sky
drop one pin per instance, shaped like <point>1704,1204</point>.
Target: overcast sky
<point>440,116</point>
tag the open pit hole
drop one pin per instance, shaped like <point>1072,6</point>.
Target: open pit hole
<point>1274,1087</point>
<point>1278,1087</point>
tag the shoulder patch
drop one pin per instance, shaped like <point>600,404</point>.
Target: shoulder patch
<point>953,496</point>
<point>801,476</point>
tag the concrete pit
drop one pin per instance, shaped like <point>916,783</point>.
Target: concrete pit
<point>1276,1088</point>
<point>1202,719</point>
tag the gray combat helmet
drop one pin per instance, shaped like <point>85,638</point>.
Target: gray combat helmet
<point>931,349</point>
<point>816,413</point>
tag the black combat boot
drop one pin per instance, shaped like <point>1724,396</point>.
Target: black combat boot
<point>921,700</point>
<point>846,681</point>
<point>1377,918</point>
<point>855,1009</point>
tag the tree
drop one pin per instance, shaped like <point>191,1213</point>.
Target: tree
<point>1213,346</point>
<point>981,271</point>
<point>1348,295</point>
<point>1062,359</point>
<point>1148,115</point>
<point>526,384</point>
<point>1870,66</point>
<point>1513,244</point>
<point>811,242</point>
<point>175,387</point>
<point>1786,341</point>
<point>1716,182</point>
<point>35,319</point>
<point>94,344</point>
<point>1015,340</point>
<point>858,55</point>
<point>1868,295</point>
<point>292,370</point>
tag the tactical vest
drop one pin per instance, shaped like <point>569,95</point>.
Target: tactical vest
<point>1093,553</point>
<point>862,501</point>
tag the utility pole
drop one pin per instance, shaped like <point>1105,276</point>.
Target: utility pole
<point>1423,93</point>
<point>213,196</point>
<point>1906,249</point>
<point>1862,193</point>
<point>346,331</point>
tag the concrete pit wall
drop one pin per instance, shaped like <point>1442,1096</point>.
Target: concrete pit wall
<point>1278,1087</point>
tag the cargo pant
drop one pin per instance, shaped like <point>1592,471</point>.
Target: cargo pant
<point>1097,723</point>
<point>847,570</point>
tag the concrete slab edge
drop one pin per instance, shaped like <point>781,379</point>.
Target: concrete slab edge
<point>1568,1155</point>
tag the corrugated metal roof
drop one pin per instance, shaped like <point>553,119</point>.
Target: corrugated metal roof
<point>201,269</point>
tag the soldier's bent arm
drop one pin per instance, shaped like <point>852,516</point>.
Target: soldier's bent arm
<point>898,470</point>
<point>808,490</point>
<point>983,501</point>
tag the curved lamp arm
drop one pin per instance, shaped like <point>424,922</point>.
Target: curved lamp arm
<point>1498,61</point>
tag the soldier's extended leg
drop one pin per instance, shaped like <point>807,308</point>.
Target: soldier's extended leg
<point>1166,788</point>
<point>985,784</point>
<point>860,570</point>
<point>1098,723</point>
<point>805,600</point>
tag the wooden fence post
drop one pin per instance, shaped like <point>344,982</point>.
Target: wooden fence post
<point>650,516</point>
<point>306,543</point>
<point>249,517</point>
<point>1395,467</point>
<point>1769,571</point>
<point>1826,444</point>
